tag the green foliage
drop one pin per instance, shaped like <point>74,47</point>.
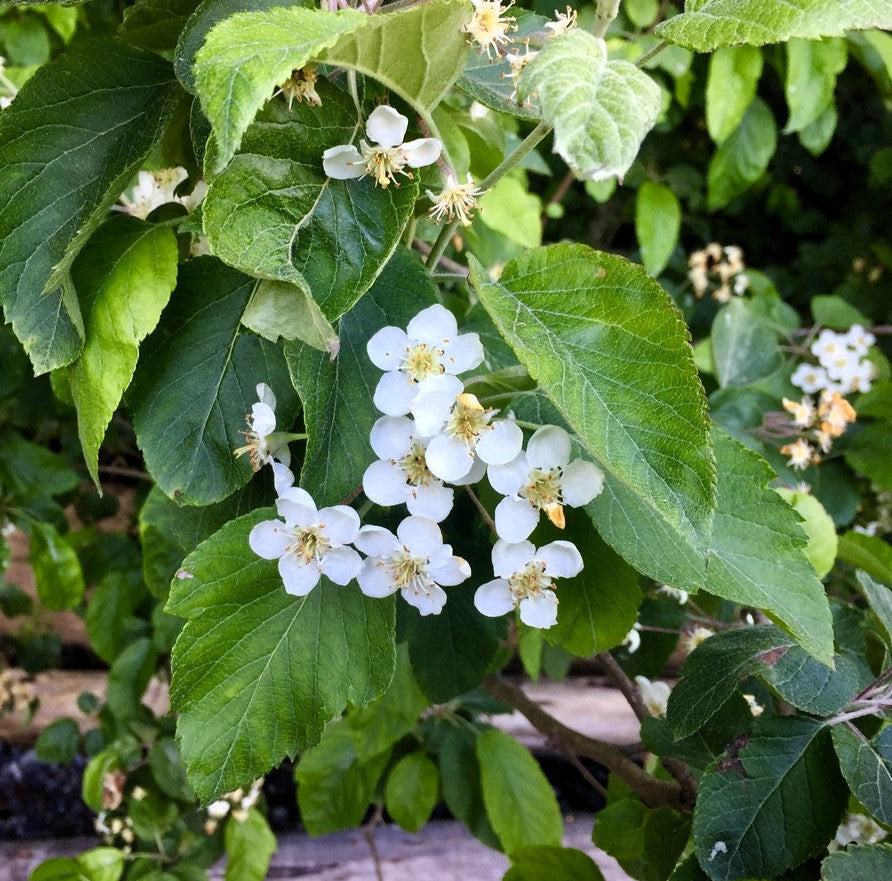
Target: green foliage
<point>734,73</point>
<point>58,742</point>
<point>822,541</point>
<point>867,767</point>
<point>744,346</point>
<point>412,790</point>
<point>554,863</point>
<point>57,570</point>
<point>250,844</point>
<point>657,223</point>
<point>855,863</point>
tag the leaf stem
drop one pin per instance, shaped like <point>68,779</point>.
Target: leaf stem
<point>527,145</point>
<point>640,62</point>
<point>483,512</point>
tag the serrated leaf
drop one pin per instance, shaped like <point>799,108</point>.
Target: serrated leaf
<point>744,346</point>
<point>858,863</point>
<point>412,789</point>
<point>337,394</point>
<point>879,598</point>
<point>734,73</point>
<point>553,863</point>
<point>771,804</point>
<point>278,309</point>
<point>105,105</point>
<point>601,110</point>
<point>57,570</point>
<point>867,767</point>
<point>657,223</point>
<point>124,277</point>
<point>273,212</point>
<point>818,526</point>
<point>812,68</point>
<point>715,23</point>
<point>246,643</point>
<point>195,382</point>
<point>250,844</point>
<point>867,552</point>
<point>247,55</point>
<point>519,800</point>
<point>155,24</point>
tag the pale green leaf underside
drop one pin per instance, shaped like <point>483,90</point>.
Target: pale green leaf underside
<point>258,673</point>
<point>728,22</point>
<point>601,110</point>
<point>124,277</point>
<point>867,767</point>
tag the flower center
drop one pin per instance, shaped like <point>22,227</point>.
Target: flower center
<point>544,491</point>
<point>255,447</point>
<point>468,419</point>
<point>309,543</point>
<point>414,464</point>
<point>422,361</point>
<point>409,572</point>
<point>301,86</point>
<point>384,163</point>
<point>530,582</point>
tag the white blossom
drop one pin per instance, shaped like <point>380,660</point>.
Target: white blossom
<point>858,339</point>
<point>153,189</point>
<point>489,26</point>
<point>310,543</point>
<point>632,640</point>
<point>389,157</point>
<point>414,561</point>
<point>400,475</point>
<point>525,578</point>
<point>263,446</point>
<point>217,810</point>
<point>654,694</point>
<point>542,479</point>
<point>679,595</point>
<point>809,378</point>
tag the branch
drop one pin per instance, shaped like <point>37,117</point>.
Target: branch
<point>652,791</point>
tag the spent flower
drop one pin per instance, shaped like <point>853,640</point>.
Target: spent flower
<point>455,202</point>
<point>489,25</point>
<point>263,445</point>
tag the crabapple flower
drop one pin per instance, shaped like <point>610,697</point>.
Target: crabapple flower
<point>859,340</point>
<point>455,202</point>
<point>154,188</point>
<point>803,412</point>
<point>563,22</point>
<point>632,640</point>
<point>388,157</point>
<point>301,86</point>
<point>525,577</point>
<point>310,543</point>
<point>654,694</point>
<point>401,475</point>
<point>414,561</point>
<point>755,707</point>
<point>425,357</point>
<point>262,444</point>
<point>809,378</point>
<point>801,454</point>
<point>489,26</point>
<point>542,479</point>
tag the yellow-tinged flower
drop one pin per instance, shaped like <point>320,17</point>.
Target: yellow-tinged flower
<point>835,413</point>
<point>301,86</point>
<point>489,26</point>
<point>562,23</point>
<point>455,202</point>
<point>803,412</point>
<point>801,454</point>
<point>755,707</point>
<point>697,637</point>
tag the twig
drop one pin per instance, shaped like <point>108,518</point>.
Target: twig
<point>445,262</point>
<point>586,775</point>
<point>368,830</point>
<point>124,471</point>
<point>483,512</point>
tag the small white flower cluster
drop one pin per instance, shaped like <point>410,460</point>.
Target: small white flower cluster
<point>857,829</point>
<point>842,366</point>
<point>17,693</point>
<point>236,803</point>
<point>719,267</point>
<point>822,424</point>
<point>118,831</point>
<point>157,188</point>
<point>432,434</point>
<point>654,694</point>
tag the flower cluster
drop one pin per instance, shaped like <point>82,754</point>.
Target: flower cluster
<point>719,268</point>
<point>432,436</point>
<point>821,424</point>
<point>17,694</point>
<point>489,25</point>
<point>236,803</point>
<point>857,829</point>
<point>157,188</point>
<point>842,366</point>
<point>301,86</point>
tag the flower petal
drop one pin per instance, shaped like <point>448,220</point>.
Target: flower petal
<point>515,519</point>
<point>375,579</point>
<point>508,479</point>
<point>508,558</point>
<point>385,483</point>
<point>420,535</point>
<point>281,452</point>
<point>341,565</point>
<point>269,539</point>
<point>501,443</point>
<point>341,524</point>
<point>465,352</point>
<point>387,348</point>
<point>391,437</point>
<point>549,447</point>
<point>581,482</point>
<point>386,126</point>
<point>431,410</point>
<point>435,326</point>
<point>376,541</point>
<point>265,395</point>
<point>283,479</point>
<point>394,393</point>
<point>561,558</point>
<point>263,419</point>
<point>494,598</point>
<point>449,570</point>
<point>424,151</point>
<point>539,611</point>
<point>475,475</point>
<point>448,458</point>
<point>299,577</point>
<point>434,500</point>
<point>343,162</point>
<point>295,510</point>
<point>429,601</point>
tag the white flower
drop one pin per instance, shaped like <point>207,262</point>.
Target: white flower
<point>455,202</point>
<point>755,707</point>
<point>801,454</point>
<point>679,595</point>
<point>192,200</point>
<point>466,433</point>
<point>827,346</point>
<point>803,412</point>
<point>217,810</point>
<point>310,543</point>
<point>489,26</point>
<point>154,188</point>
<point>387,128</point>
<point>809,378</point>
<point>542,479</point>
<point>858,339</point>
<point>262,445</point>
<point>426,357</point>
<point>563,22</point>
<point>654,694</point>
<point>632,640</point>
<point>401,474</point>
<point>697,637</point>
<point>525,577</point>
<point>414,561</point>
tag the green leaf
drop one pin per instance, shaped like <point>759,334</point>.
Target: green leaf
<point>412,790</point>
<point>101,864</point>
<point>128,677</point>
<point>248,54</point>
<point>744,346</point>
<point>743,157</point>
<point>124,277</point>
<point>32,470</point>
<point>879,598</point>
<point>570,312</point>
<point>867,767</point>
<point>337,395</point>
<point>57,570</point>
<point>601,110</point>
<point>818,526</point>
<point>323,650</point>
<point>278,309</point>
<point>870,453</point>
<point>715,23</point>
<point>58,742</point>
<point>167,769</point>
<point>519,800</point>
<point>833,311</point>
<point>867,552</point>
<point>657,223</point>
<point>510,209</point>
<point>106,105</point>
<point>196,381</point>
<point>110,617</point>
<point>275,214</point>
<point>155,24</point>
<point>250,844</point>
<point>812,68</point>
<point>553,863</point>
<point>598,607</point>
<point>858,863</point>
<point>334,786</point>
<point>734,73</point>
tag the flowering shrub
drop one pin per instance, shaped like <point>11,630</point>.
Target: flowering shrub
<point>282,267</point>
